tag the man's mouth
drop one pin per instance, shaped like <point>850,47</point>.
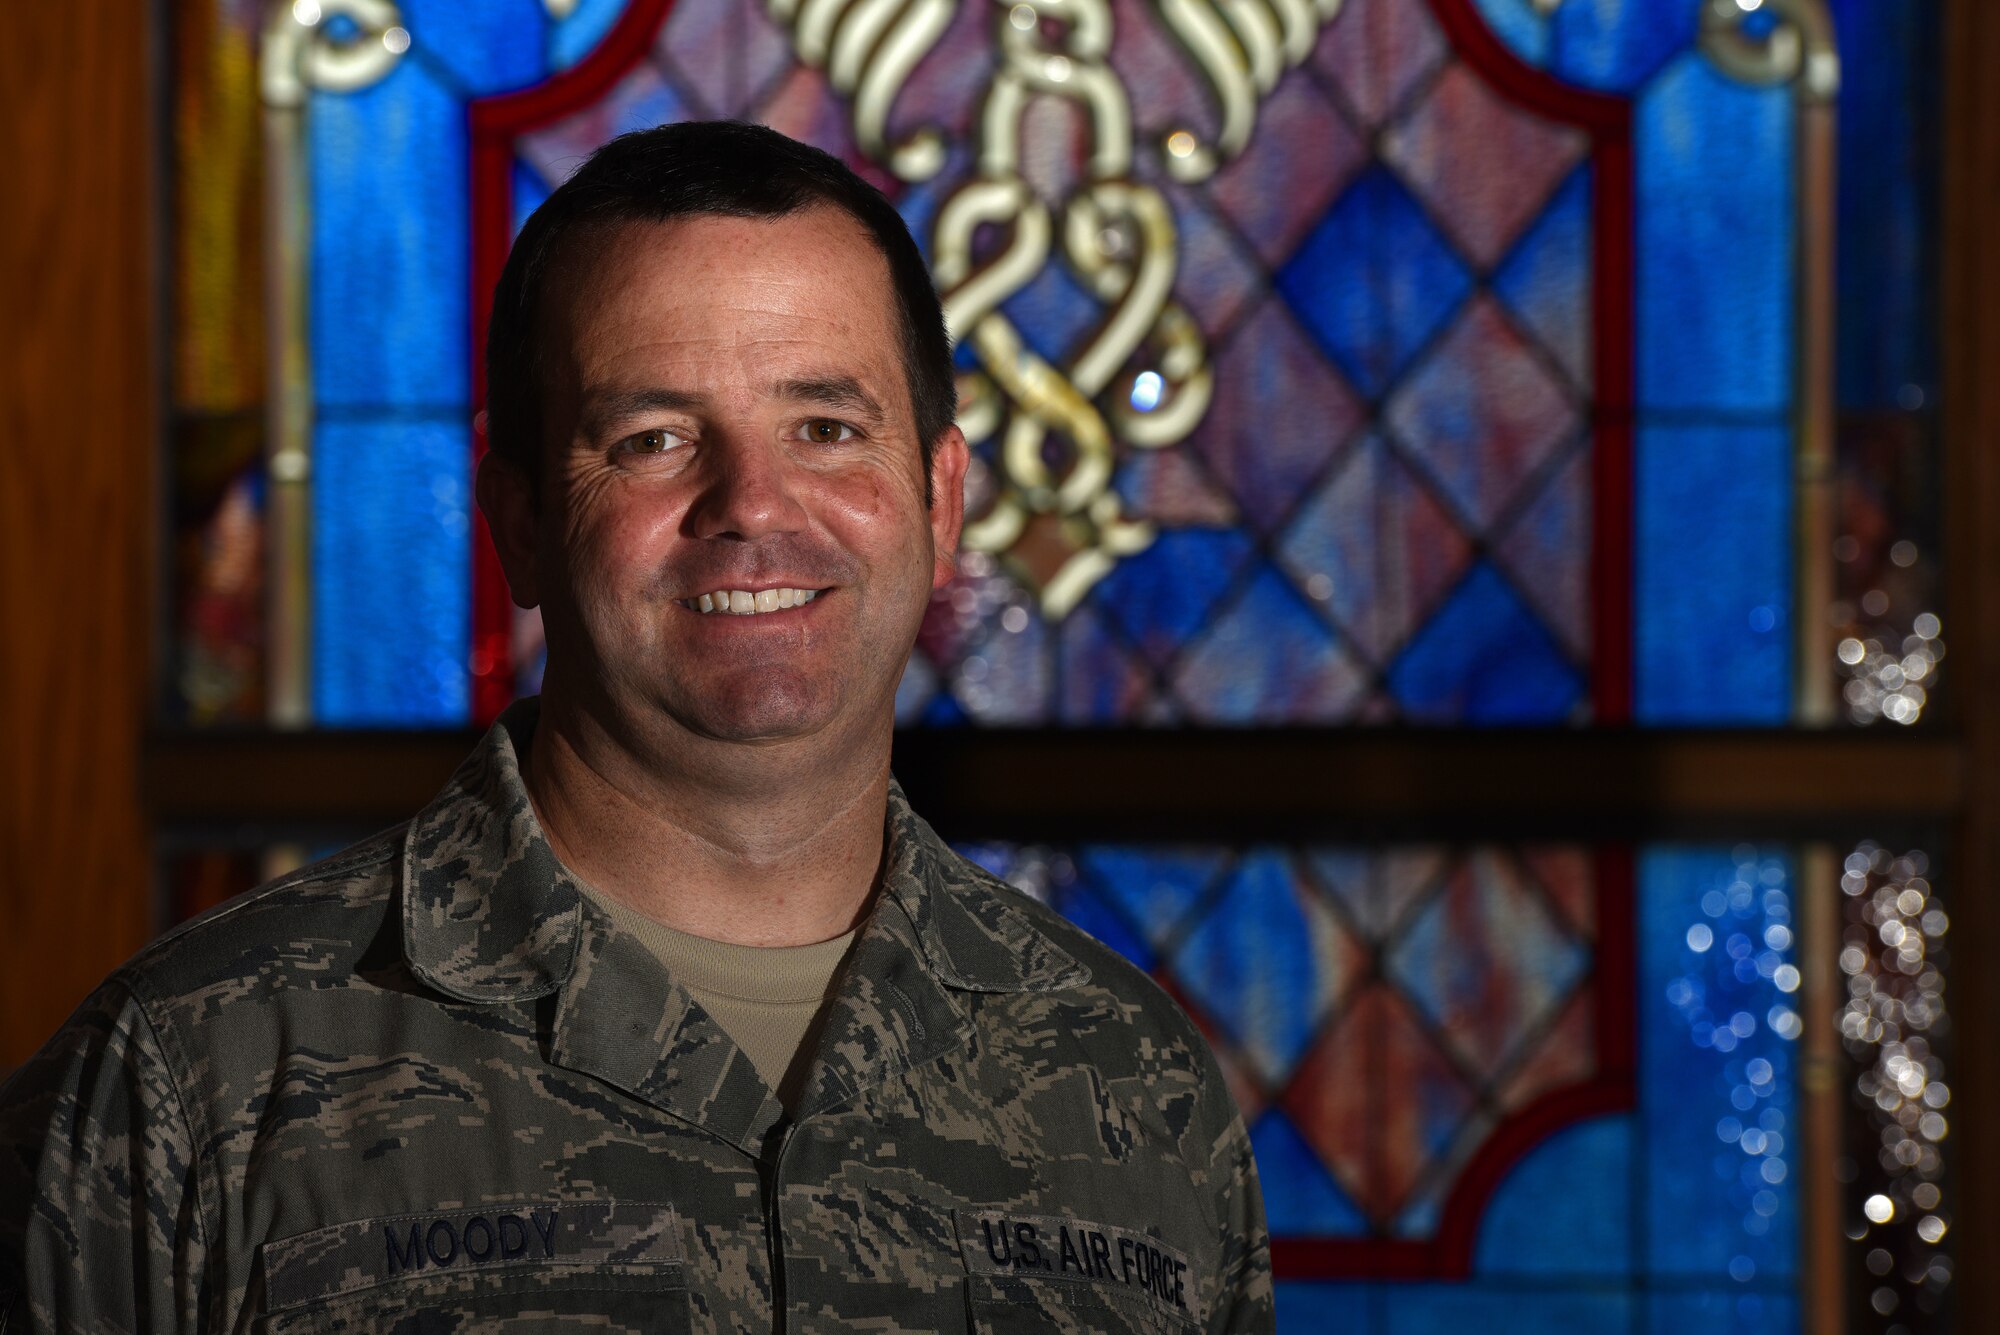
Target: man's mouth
<point>743,603</point>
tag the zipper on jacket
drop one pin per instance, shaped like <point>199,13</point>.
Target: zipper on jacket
<point>774,1232</point>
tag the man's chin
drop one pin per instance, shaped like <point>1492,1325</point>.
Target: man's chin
<point>770,713</point>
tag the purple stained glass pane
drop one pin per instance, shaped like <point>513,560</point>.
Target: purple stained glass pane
<point>1483,165</point>
<point>1269,657</point>
<point>1377,547</point>
<point>1304,152</point>
<point>1487,1002</point>
<point>1379,53</point>
<point>722,53</point>
<point>1483,413</point>
<point>1546,549</point>
<point>1279,414</point>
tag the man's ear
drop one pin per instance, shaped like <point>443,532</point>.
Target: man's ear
<point>947,504</point>
<point>507,499</point>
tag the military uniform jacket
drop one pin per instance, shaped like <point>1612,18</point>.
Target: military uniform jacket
<point>425,1086</point>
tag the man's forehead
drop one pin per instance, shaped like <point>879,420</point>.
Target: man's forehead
<point>809,277</point>
<point>818,240</point>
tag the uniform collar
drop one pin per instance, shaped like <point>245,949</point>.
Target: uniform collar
<point>490,914</point>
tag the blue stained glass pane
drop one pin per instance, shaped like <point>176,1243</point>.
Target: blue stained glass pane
<point>919,203</point>
<point>1452,1309</point>
<point>391,562</point>
<point>1165,593</point>
<point>1546,281</point>
<point>1322,1305</point>
<point>996,858</point>
<point>1485,658</point>
<point>1616,44</point>
<point>1053,312</point>
<point>1717,1069</point>
<point>1715,270</point>
<point>578,35</point>
<point>1888,149</point>
<point>1714,575</point>
<point>481,46</point>
<point>1731,1311</point>
<point>1301,1199</point>
<point>1523,28</point>
<point>1083,907</point>
<point>1266,963</point>
<point>1156,887</point>
<point>914,691</point>
<point>944,712</point>
<point>529,192</point>
<point>389,286</point>
<point>1566,1209</point>
<point>1374,280</point>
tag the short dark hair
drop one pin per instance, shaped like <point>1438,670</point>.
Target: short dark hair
<point>688,169</point>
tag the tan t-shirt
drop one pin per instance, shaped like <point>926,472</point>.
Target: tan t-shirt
<point>768,998</point>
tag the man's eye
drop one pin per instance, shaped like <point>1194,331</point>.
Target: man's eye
<point>657,440</point>
<point>826,431</point>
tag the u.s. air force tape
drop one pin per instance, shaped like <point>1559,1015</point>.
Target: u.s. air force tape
<point>1032,1246</point>
<point>345,1258</point>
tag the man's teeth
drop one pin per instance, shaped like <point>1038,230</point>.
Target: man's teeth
<point>742,603</point>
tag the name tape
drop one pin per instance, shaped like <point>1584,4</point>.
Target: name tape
<point>346,1258</point>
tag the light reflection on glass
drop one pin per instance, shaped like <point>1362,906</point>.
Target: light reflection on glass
<point>1147,387</point>
<point>1893,957</point>
<point>1885,680</point>
<point>1721,995</point>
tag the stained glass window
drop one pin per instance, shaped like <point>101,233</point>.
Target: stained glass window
<point>1467,389</point>
<point>1488,363</point>
<point>1447,1078</point>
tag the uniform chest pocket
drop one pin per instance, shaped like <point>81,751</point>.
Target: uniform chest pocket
<point>1001,1305</point>
<point>534,1269</point>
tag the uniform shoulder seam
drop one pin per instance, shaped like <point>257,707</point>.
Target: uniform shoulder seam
<point>340,864</point>
<point>207,1191</point>
<point>1107,973</point>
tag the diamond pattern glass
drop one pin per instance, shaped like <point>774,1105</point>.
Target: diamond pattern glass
<point>1393,283</point>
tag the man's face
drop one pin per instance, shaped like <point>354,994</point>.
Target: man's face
<point>727,418</point>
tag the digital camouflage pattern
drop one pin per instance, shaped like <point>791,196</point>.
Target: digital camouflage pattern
<point>426,1085</point>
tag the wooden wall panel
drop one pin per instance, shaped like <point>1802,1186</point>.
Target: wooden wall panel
<point>78,456</point>
<point>1972,608</point>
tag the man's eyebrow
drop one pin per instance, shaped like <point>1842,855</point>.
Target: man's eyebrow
<point>835,391</point>
<point>601,409</point>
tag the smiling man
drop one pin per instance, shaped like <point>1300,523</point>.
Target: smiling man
<point>668,1014</point>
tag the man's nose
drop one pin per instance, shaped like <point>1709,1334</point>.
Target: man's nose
<point>751,490</point>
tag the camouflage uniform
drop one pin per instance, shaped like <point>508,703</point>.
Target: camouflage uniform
<point>426,1086</point>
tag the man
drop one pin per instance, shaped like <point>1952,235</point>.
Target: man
<point>668,1011</point>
